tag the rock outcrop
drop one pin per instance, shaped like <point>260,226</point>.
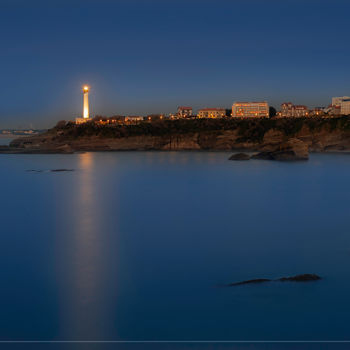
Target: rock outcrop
<point>255,281</point>
<point>51,170</point>
<point>240,156</point>
<point>291,150</point>
<point>298,278</point>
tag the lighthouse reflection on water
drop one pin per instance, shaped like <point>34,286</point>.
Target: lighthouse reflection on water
<point>86,282</point>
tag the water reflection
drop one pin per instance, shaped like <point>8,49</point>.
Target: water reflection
<point>84,286</point>
<point>141,247</point>
<point>87,243</point>
<point>179,157</point>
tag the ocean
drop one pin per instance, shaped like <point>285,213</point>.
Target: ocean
<point>138,246</point>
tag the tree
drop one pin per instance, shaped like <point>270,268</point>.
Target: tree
<point>272,112</point>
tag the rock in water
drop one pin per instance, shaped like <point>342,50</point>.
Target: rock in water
<point>255,281</point>
<point>263,156</point>
<point>307,277</point>
<point>300,278</point>
<point>293,149</point>
<point>60,170</point>
<point>240,156</point>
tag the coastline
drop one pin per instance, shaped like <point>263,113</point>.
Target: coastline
<point>322,135</point>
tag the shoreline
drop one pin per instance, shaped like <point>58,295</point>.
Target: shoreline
<point>229,151</point>
<point>323,135</point>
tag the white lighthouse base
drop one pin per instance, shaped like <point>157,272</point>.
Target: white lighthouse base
<point>82,120</point>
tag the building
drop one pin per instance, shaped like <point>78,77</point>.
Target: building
<point>336,111</point>
<point>300,111</point>
<point>332,111</point>
<point>317,111</point>
<point>250,110</point>
<point>288,110</point>
<point>86,116</point>
<point>341,105</point>
<point>212,113</point>
<point>328,109</point>
<point>80,120</point>
<point>133,118</point>
<point>184,112</point>
<point>336,101</point>
<point>345,107</point>
<point>117,119</point>
<point>154,117</point>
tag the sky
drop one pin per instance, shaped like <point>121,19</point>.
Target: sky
<point>151,56</point>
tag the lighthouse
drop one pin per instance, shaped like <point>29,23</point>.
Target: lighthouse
<point>86,102</point>
<point>86,116</point>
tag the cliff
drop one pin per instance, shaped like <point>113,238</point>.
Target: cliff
<point>321,135</point>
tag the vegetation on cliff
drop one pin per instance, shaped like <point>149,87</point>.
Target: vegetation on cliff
<point>249,130</point>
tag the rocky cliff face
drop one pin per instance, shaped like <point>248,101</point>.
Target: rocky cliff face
<point>321,136</point>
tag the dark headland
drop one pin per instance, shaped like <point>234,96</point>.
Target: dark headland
<point>263,135</point>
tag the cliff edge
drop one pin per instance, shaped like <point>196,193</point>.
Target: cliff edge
<point>319,135</point>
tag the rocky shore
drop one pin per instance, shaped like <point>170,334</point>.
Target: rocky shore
<point>272,138</point>
<point>291,150</point>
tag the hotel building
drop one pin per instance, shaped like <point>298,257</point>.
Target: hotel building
<point>212,113</point>
<point>250,110</point>
<point>184,112</point>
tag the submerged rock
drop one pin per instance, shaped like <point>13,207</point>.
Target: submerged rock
<point>240,156</point>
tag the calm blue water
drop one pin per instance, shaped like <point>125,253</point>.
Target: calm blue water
<point>133,246</point>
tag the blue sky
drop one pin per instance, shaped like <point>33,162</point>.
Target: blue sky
<point>149,56</point>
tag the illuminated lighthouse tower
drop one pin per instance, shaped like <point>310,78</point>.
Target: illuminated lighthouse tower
<point>86,116</point>
<point>86,102</point>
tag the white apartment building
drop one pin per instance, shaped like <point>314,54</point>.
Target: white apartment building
<point>345,107</point>
<point>336,101</point>
<point>343,103</point>
<point>250,110</point>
